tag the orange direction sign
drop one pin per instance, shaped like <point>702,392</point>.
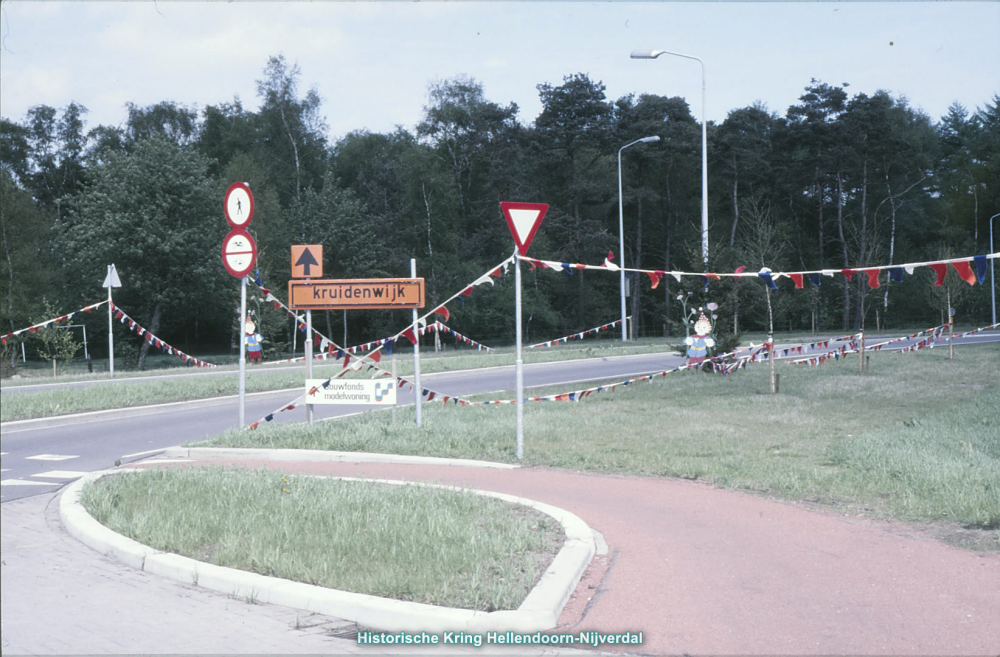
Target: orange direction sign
<point>523,220</point>
<point>307,261</point>
<point>358,294</point>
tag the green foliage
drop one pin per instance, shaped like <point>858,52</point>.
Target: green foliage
<point>842,179</point>
<point>55,341</point>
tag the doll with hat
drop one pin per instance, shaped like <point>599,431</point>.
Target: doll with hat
<point>253,341</point>
<point>699,343</point>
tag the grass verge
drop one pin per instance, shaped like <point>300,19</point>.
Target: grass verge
<point>917,438</point>
<point>404,542</point>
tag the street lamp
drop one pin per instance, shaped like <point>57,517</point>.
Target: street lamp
<point>993,278</point>
<point>621,226</point>
<point>653,54</point>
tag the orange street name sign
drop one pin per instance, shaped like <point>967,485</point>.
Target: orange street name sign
<point>364,293</point>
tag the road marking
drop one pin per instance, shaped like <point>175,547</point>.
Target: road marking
<point>51,457</point>
<point>148,451</point>
<point>22,482</point>
<point>4,469</point>
<point>60,474</point>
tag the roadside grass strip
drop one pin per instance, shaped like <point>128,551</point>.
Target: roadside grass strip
<point>404,542</point>
<point>914,438</point>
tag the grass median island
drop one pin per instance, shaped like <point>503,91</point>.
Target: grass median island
<point>409,543</point>
<point>917,438</point>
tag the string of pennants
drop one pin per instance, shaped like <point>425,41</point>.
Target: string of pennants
<point>932,338</point>
<point>154,341</point>
<point>578,336</point>
<point>962,266</point>
<point>724,367</point>
<point>331,350</point>
<point>51,323</point>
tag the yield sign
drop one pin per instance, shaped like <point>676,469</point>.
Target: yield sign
<point>523,220</point>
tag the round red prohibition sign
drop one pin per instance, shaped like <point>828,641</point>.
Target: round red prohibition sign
<point>238,205</point>
<point>239,252</point>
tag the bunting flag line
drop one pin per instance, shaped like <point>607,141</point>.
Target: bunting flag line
<point>578,336</point>
<point>333,350</point>
<point>56,321</point>
<point>962,266</point>
<point>154,341</point>
<point>441,327</point>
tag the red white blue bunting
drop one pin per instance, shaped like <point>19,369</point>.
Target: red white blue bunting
<point>56,321</point>
<point>578,336</point>
<point>154,341</point>
<point>971,269</point>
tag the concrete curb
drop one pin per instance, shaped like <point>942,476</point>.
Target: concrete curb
<point>321,456</point>
<point>539,611</point>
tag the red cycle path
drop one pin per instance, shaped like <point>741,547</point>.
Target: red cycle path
<point>701,570</point>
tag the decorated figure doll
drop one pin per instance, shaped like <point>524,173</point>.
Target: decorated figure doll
<point>253,341</point>
<point>699,343</point>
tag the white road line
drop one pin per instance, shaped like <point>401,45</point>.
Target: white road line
<point>148,451</point>
<point>22,482</point>
<point>60,474</point>
<point>51,457</point>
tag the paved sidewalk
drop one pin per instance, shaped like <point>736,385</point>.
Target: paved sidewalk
<point>59,597</point>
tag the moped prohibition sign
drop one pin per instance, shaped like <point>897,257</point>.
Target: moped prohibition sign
<point>238,205</point>
<point>239,252</point>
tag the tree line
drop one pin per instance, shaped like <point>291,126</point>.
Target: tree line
<point>838,181</point>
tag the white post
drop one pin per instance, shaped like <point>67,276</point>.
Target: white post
<point>418,391</point>
<point>309,359</point>
<point>621,241</point>
<point>243,350</point>
<point>518,363</point>
<point>111,336</point>
<point>993,279</point>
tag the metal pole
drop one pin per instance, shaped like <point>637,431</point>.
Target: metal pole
<point>418,391</point>
<point>395,382</point>
<point>243,350</point>
<point>86,354</point>
<point>621,240</point>
<point>309,359</point>
<point>519,363</point>
<point>993,279</point>
<point>653,54</point>
<point>704,171</point>
<point>111,336</point>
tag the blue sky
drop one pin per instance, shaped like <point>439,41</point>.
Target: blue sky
<point>372,62</point>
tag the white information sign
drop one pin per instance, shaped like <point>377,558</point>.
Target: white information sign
<point>351,391</point>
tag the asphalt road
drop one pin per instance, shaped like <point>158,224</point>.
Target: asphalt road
<point>38,456</point>
<point>41,455</point>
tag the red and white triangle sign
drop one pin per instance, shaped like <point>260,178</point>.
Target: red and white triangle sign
<point>523,220</point>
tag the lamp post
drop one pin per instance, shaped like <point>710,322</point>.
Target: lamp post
<point>621,226</point>
<point>993,278</point>
<point>653,54</point>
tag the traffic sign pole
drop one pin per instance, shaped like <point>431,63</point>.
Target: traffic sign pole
<point>518,364</point>
<point>523,219</point>
<point>418,392</point>
<point>111,337</point>
<point>309,359</point>
<point>243,351</point>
